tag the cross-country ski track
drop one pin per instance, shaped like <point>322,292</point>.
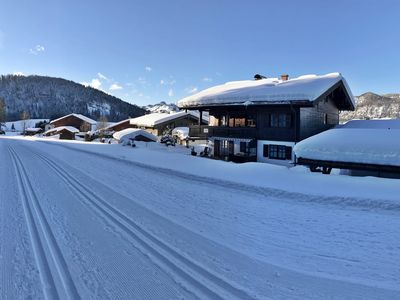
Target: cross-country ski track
<point>80,225</point>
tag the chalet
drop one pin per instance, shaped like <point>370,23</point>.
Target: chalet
<point>262,119</point>
<point>158,123</point>
<point>124,124</point>
<point>64,132</point>
<point>80,122</point>
<point>363,147</point>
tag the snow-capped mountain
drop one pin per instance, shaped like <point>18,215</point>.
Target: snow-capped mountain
<point>161,107</point>
<point>50,97</point>
<point>374,106</point>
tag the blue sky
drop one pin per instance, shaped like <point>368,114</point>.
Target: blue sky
<point>150,51</point>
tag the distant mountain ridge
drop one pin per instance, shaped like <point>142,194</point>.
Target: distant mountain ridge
<point>161,107</point>
<point>50,97</point>
<point>373,106</point>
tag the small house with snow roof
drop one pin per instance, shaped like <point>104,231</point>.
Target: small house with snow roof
<point>158,123</point>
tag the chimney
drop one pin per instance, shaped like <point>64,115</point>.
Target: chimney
<point>258,77</point>
<point>284,77</point>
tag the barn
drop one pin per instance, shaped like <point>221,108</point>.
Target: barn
<point>78,121</point>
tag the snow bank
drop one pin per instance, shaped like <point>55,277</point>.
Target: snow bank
<point>133,133</point>
<point>369,142</point>
<point>308,87</point>
<point>181,132</point>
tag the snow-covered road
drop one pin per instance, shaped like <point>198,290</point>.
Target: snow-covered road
<point>76,224</point>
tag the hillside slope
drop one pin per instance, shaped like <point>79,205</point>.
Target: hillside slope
<point>50,97</point>
<point>374,106</point>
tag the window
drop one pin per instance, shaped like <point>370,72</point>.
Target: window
<point>240,122</point>
<point>265,151</point>
<point>243,147</point>
<point>251,121</point>
<point>279,152</point>
<point>280,120</point>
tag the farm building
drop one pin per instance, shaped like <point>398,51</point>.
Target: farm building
<point>158,123</point>
<point>121,125</point>
<point>366,147</point>
<point>262,119</point>
<point>80,122</point>
<point>64,132</point>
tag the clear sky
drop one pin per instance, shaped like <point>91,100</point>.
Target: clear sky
<point>149,51</point>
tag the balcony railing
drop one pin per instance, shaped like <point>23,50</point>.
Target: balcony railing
<point>203,132</point>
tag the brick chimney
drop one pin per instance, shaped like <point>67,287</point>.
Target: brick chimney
<point>284,77</point>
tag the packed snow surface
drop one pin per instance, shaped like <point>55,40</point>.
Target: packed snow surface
<point>306,87</point>
<point>132,133</point>
<point>361,141</point>
<point>95,221</point>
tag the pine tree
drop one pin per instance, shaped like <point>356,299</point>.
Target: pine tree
<point>3,113</point>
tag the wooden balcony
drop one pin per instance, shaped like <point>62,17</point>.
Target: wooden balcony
<point>203,132</point>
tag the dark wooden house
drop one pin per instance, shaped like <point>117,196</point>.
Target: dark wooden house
<point>158,123</point>
<point>124,124</point>
<point>64,132</point>
<point>80,122</point>
<point>261,120</point>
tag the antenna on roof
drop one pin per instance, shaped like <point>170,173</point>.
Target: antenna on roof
<point>258,77</point>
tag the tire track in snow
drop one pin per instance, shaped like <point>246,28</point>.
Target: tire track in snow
<point>196,276</point>
<point>42,238</point>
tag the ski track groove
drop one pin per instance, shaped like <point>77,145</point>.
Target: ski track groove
<point>207,283</point>
<point>32,211</point>
<point>298,197</point>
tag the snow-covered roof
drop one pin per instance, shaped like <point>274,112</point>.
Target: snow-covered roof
<point>153,119</point>
<point>82,117</point>
<point>68,128</point>
<point>368,142</point>
<point>115,124</point>
<point>268,90</point>
<point>33,129</point>
<point>375,124</point>
<point>132,133</point>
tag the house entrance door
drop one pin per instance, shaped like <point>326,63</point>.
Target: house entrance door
<point>230,148</point>
<point>217,146</point>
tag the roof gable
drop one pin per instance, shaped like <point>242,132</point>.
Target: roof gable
<point>268,91</point>
<point>79,116</point>
<point>154,119</point>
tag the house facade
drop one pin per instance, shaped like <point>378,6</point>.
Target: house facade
<point>78,121</point>
<point>158,123</point>
<point>261,120</point>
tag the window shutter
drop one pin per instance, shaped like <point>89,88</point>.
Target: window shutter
<point>265,152</point>
<point>288,152</point>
